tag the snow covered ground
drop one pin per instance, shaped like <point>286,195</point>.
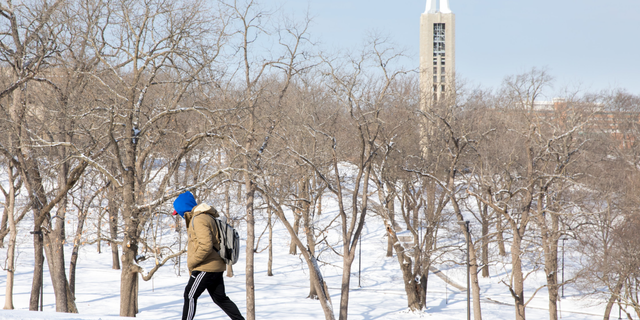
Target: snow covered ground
<point>380,294</point>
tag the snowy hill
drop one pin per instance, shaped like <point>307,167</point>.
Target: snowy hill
<point>283,296</point>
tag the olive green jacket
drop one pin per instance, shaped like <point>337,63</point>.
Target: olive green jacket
<point>204,243</point>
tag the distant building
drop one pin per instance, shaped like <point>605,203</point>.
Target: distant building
<point>437,50</point>
<point>589,118</point>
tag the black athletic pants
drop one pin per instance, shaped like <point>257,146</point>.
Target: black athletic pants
<point>213,282</point>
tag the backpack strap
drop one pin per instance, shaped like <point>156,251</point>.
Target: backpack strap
<point>217,230</point>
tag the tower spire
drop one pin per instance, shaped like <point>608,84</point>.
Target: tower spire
<point>444,6</point>
<point>431,6</point>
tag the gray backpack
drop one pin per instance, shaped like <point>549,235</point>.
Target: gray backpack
<point>229,241</point>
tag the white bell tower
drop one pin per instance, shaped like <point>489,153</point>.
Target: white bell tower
<point>437,51</point>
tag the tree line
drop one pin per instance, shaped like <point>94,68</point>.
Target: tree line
<point>110,109</point>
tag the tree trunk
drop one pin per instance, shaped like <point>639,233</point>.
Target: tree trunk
<point>270,261</point>
<point>57,272</point>
<point>485,240</point>
<point>99,232</point>
<point>64,299</point>
<point>13,235</point>
<point>422,290</point>
<point>415,290</point>
<point>391,213</point>
<point>38,269</point>
<point>412,287</point>
<point>416,219</point>
<point>347,262</point>
<point>314,270</point>
<point>32,177</point>
<point>128,289</point>
<point>113,227</point>
<point>615,294</point>
<point>517,290</point>
<point>549,235</point>
<point>4,227</point>
<point>54,248</point>
<point>308,229</point>
<point>59,238</point>
<point>28,171</point>
<point>475,285</point>
<point>249,268</point>
<point>74,253</point>
<point>473,257</point>
<point>551,270</point>
<point>502,251</point>
<point>351,237</point>
<point>296,228</point>
<point>131,217</point>
<point>321,287</point>
<point>129,275</point>
<point>129,279</point>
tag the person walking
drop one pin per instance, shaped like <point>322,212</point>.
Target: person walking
<point>204,263</point>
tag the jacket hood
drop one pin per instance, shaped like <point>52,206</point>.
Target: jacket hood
<point>184,203</point>
<point>205,208</point>
<point>201,208</point>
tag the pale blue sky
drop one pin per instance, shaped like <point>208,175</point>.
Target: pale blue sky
<point>593,45</point>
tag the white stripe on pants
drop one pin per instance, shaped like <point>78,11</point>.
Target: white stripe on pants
<point>192,292</point>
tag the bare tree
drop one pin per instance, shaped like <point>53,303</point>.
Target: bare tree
<point>604,231</point>
<point>10,195</point>
<point>532,171</point>
<point>451,138</point>
<point>82,198</point>
<point>35,30</point>
<point>316,277</point>
<point>147,75</point>
<point>421,201</point>
<point>357,142</point>
<point>257,121</point>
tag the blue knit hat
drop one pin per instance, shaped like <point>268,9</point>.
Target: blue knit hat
<point>184,203</point>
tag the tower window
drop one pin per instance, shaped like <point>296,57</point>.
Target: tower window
<point>435,78</point>
<point>435,61</point>
<point>438,39</point>
<point>435,70</point>
<point>442,78</point>
<point>442,88</point>
<point>442,71</point>
<point>442,61</point>
<point>438,32</point>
